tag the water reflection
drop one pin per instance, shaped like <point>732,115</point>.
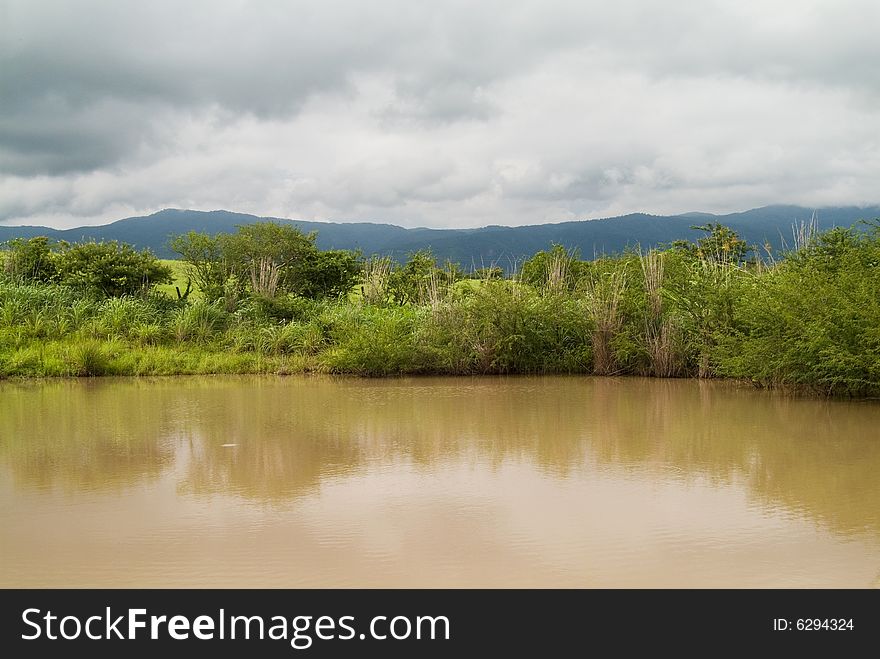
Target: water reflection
<point>468,452</point>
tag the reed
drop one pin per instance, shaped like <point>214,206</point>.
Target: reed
<point>807,320</point>
<point>432,291</point>
<point>604,293</point>
<point>374,280</point>
<point>264,276</point>
<point>557,270</point>
<point>660,333</point>
<point>804,232</point>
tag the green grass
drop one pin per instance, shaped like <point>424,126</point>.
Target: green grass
<point>178,272</point>
<point>810,321</point>
<point>95,358</point>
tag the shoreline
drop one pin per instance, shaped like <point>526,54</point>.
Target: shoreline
<point>784,389</point>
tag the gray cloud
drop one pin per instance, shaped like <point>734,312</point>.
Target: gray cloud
<point>444,114</point>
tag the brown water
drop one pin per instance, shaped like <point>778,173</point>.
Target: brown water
<point>558,481</point>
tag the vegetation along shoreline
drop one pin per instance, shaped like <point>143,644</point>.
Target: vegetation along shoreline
<point>265,299</point>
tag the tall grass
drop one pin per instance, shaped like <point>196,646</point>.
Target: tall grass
<point>558,266</point>
<point>198,322</point>
<point>374,280</point>
<point>264,276</point>
<point>604,294</point>
<point>661,334</point>
<point>809,320</point>
<point>88,359</point>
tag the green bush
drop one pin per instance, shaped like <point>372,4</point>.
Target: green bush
<point>109,269</point>
<point>504,327</point>
<point>30,260</point>
<point>813,321</point>
<point>555,269</point>
<point>266,259</point>
<point>374,341</point>
<point>810,321</point>
<point>88,359</point>
<point>197,322</point>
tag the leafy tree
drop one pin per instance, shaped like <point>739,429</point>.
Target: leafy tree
<point>556,268</point>
<point>406,283</point>
<point>109,268</point>
<point>206,264</point>
<point>488,273</point>
<point>275,250</point>
<point>721,244</point>
<point>268,259</point>
<point>31,260</point>
<point>330,273</point>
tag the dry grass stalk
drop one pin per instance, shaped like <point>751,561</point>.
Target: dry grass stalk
<point>432,290</point>
<point>764,263</point>
<point>659,331</point>
<point>264,276</point>
<point>558,266</point>
<point>374,280</point>
<point>604,295</point>
<point>804,232</point>
<point>652,268</point>
<point>662,350</point>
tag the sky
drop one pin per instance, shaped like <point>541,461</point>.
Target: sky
<point>440,114</point>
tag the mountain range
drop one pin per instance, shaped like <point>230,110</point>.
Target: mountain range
<point>488,245</point>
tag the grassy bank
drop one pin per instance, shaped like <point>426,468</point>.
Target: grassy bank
<point>810,320</point>
<point>52,331</point>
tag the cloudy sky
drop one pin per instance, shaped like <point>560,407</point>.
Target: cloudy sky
<point>444,114</point>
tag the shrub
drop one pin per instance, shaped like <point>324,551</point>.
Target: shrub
<point>813,321</point>
<point>504,327</point>
<point>88,359</point>
<point>109,269</point>
<point>30,260</point>
<point>198,322</point>
<point>375,341</point>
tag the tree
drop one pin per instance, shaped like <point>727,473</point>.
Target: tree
<point>406,283</point>
<point>206,264</point>
<point>268,259</point>
<point>273,250</point>
<point>325,274</point>
<point>721,244</point>
<point>31,260</point>
<point>493,272</point>
<point>260,254</point>
<point>111,269</point>
<point>554,269</point>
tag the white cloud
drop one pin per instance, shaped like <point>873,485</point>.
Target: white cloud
<point>453,114</point>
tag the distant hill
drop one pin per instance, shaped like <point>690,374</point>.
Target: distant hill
<point>483,246</point>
